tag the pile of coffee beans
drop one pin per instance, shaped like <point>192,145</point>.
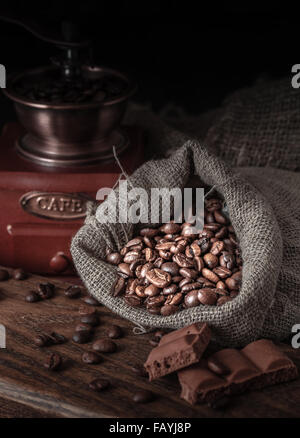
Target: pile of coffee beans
<point>168,269</point>
<point>78,90</point>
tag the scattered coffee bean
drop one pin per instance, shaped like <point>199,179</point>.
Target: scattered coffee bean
<point>82,327</point>
<point>20,274</point>
<point>114,258</point>
<point>104,346</point>
<point>82,337</point>
<point>42,340</point>
<point>114,332</point>
<point>118,287</point>
<point>46,290</point>
<point>32,297</point>
<point>99,385</point>
<point>90,357</point>
<point>53,362</point>
<point>143,396</point>
<point>207,296</point>
<point>92,319</point>
<point>73,292</point>
<point>91,301</point>
<point>57,338</point>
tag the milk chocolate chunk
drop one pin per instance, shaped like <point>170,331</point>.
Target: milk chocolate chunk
<point>256,366</point>
<point>177,350</point>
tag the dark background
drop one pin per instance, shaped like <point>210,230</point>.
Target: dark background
<point>180,52</point>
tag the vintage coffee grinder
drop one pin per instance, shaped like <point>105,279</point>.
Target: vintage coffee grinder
<point>61,153</point>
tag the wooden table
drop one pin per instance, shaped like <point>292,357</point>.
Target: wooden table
<point>27,389</point>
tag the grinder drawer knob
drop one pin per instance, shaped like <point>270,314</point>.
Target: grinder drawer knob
<point>59,263</point>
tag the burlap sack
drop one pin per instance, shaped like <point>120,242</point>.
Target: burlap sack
<point>264,206</point>
<point>259,126</point>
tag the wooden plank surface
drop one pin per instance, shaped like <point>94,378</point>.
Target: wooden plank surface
<point>28,389</point>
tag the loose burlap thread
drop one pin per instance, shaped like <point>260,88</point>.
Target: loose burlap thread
<point>264,207</point>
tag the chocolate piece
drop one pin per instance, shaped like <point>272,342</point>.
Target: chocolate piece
<point>257,365</point>
<point>177,350</point>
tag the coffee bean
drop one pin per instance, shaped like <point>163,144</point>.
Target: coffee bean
<point>188,273</point>
<point>222,272</point>
<point>223,300</point>
<point>32,297</point>
<point>145,268</point>
<point>204,244</point>
<point>114,258</point>
<point>212,227</point>
<point>57,338</point>
<point>170,267</point>
<point>213,204</point>
<point>142,396</point>
<point>168,309</point>
<point>149,242</point>
<point>217,247</point>
<point>99,385</point>
<point>83,327</point>
<point>210,275</point>
<point>82,337</point>
<point>125,269</point>
<point>114,332</point>
<point>4,275</point>
<point>191,286</point>
<point>104,346</point>
<point>221,285</point>
<point>154,310</point>
<point>92,319</point>
<point>234,282</point>
<point>139,370</point>
<point>176,299</point>
<point>133,242</point>
<point>170,228</point>
<point>152,290</point>
<point>42,340</point>
<point>131,256</point>
<point>159,278</point>
<point>221,233</point>
<point>73,292</point>
<point>210,260</point>
<point>183,261</point>
<point>133,300</point>
<point>149,232</point>
<point>53,362</point>
<point>20,274</point>
<point>91,301</point>
<point>207,296</point>
<point>171,289</point>
<point>118,287</point>
<point>191,299</point>
<point>90,357</point>
<point>46,290</point>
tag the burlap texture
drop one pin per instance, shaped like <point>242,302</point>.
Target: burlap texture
<point>259,126</point>
<point>264,207</point>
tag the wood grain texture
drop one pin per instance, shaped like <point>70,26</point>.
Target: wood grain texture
<point>30,390</point>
